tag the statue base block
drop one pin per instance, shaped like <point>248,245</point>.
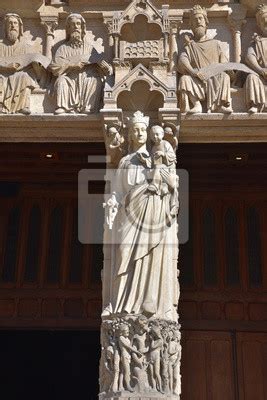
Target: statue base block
<point>138,396</point>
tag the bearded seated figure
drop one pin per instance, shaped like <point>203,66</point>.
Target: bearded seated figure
<point>201,52</point>
<point>19,72</point>
<point>79,83</point>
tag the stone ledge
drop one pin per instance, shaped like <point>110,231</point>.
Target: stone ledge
<point>51,128</point>
<point>221,128</point>
<point>78,128</point>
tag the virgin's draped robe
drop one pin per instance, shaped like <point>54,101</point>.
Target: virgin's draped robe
<point>15,86</point>
<point>216,89</point>
<point>144,254</point>
<point>255,85</point>
<point>76,90</point>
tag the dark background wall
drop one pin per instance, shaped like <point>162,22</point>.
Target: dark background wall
<point>50,365</point>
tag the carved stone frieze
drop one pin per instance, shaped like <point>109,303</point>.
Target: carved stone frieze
<point>140,356</point>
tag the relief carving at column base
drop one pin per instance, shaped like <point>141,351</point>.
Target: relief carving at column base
<point>140,358</point>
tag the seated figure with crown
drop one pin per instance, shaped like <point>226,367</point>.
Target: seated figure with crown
<point>199,53</point>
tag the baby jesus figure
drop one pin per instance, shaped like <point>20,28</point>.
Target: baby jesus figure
<point>164,178</point>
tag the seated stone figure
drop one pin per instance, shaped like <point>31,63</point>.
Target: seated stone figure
<point>79,83</point>
<point>19,68</point>
<point>199,53</point>
<point>257,60</point>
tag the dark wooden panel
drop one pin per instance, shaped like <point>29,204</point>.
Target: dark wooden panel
<point>252,365</point>
<point>207,366</point>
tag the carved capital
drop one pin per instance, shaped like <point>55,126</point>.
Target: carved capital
<point>50,24</point>
<point>236,24</point>
<point>175,26</point>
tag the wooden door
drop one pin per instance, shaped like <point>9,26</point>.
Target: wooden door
<point>252,365</point>
<point>207,366</point>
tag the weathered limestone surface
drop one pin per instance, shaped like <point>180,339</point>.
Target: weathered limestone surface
<point>141,75</point>
<point>226,35</point>
<point>141,349</point>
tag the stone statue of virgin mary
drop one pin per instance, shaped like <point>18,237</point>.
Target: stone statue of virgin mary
<point>142,277</point>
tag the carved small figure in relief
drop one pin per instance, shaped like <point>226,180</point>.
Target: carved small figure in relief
<point>162,154</point>
<point>79,83</point>
<point>257,60</point>
<point>199,53</point>
<point>140,364</point>
<point>156,347</point>
<point>164,158</point>
<point>107,370</point>
<point>115,138</point>
<point>126,350</point>
<point>174,360</point>
<point>20,68</point>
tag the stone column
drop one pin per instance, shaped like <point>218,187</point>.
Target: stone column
<point>236,21</point>
<point>236,27</point>
<point>140,333</point>
<point>174,30</point>
<point>50,23</point>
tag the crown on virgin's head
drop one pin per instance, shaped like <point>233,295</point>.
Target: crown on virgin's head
<point>197,9</point>
<point>139,117</point>
<point>261,9</point>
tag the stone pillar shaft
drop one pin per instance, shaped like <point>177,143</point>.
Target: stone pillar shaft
<point>50,24</point>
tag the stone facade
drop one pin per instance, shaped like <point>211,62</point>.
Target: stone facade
<point>138,76</point>
<point>122,39</point>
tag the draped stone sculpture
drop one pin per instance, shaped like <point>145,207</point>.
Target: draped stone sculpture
<point>257,60</point>
<point>199,53</point>
<point>79,81</point>
<point>20,68</point>
<point>140,280</point>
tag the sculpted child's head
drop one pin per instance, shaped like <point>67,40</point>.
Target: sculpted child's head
<point>156,133</point>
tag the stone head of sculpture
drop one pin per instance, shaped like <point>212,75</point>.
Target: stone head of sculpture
<point>157,134</point>
<point>142,324</point>
<point>124,330</point>
<point>13,27</point>
<point>75,30</point>
<point>155,332</point>
<point>261,16</point>
<point>138,130</point>
<point>199,21</point>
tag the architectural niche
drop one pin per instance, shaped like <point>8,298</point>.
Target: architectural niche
<point>144,48</point>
